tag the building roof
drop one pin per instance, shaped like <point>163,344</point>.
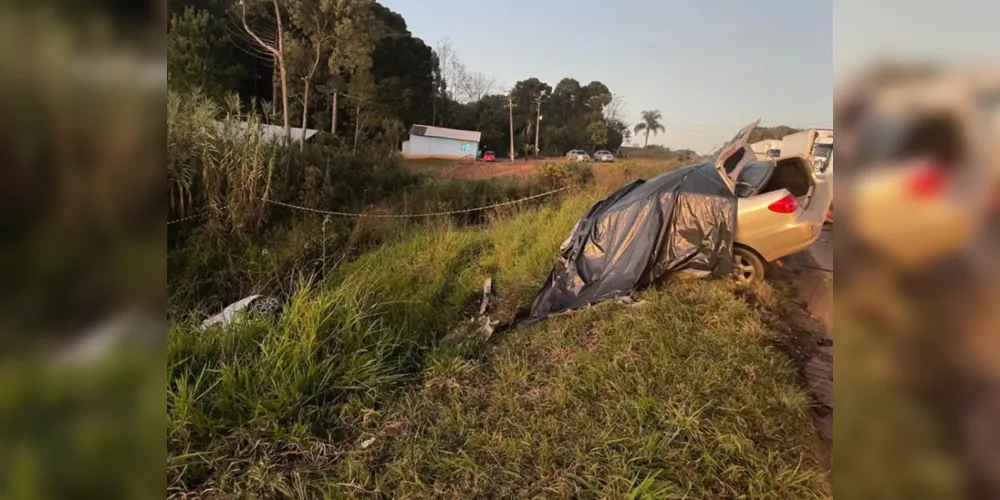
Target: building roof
<point>276,132</point>
<point>445,133</point>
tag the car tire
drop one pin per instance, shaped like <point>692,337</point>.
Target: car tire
<point>748,267</point>
<point>268,307</point>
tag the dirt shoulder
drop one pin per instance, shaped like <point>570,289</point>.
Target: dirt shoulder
<point>485,170</point>
<point>808,327</point>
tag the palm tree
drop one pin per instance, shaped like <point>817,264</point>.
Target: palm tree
<point>650,123</point>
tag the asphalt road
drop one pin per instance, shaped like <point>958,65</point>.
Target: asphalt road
<point>812,277</point>
<point>822,250</point>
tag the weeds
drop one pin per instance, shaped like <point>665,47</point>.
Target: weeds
<point>557,174</point>
<point>361,388</point>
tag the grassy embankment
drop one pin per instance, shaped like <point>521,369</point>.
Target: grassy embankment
<point>372,384</point>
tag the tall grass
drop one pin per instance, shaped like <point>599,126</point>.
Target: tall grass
<point>372,383</point>
<point>219,158</point>
<point>222,166</point>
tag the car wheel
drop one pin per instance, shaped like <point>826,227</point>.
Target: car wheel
<point>747,266</point>
<point>266,306</point>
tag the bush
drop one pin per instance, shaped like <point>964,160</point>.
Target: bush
<point>558,174</point>
<point>247,245</point>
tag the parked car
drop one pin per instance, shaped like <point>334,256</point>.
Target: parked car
<point>577,155</point>
<point>604,155</point>
<point>489,156</point>
<point>781,205</point>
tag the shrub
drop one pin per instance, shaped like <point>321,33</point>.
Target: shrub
<point>558,174</point>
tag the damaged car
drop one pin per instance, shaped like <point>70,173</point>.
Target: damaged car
<point>262,305</point>
<point>726,216</point>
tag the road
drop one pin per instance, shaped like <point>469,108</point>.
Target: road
<point>811,274</point>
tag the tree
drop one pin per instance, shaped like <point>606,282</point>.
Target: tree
<point>198,55</point>
<point>440,87</point>
<point>650,123</point>
<point>316,21</point>
<point>616,110</point>
<point>776,133</point>
<point>527,94</point>
<point>598,134</point>
<point>355,30</point>
<point>618,133</point>
<point>405,71</point>
<point>473,86</point>
<point>595,96</point>
<point>273,45</point>
<point>452,70</point>
<point>362,92</point>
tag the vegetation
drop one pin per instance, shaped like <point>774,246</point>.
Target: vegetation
<point>373,382</point>
<point>776,133</point>
<point>655,151</point>
<point>650,122</point>
<point>224,174</point>
<point>352,68</point>
<point>557,174</point>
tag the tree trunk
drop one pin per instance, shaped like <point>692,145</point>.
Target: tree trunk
<point>357,127</point>
<point>286,124</point>
<point>538,124</point>
<point>275,85</point>
<point>510,111</point>
<point>284,74</point>
<point>333,115</point>
<point>305,115</point>
<point>305,94</point>
<point>647,139</point>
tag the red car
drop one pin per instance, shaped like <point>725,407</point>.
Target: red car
<point>489,156</point>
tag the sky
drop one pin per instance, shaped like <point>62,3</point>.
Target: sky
<point>709,66</point>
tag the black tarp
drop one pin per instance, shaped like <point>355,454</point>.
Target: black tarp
<point>681,220</point>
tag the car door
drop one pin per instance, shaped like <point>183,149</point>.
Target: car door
<point>735,155</point>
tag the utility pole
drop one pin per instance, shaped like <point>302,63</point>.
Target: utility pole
<point>538,121</point>
<point>510,112</point>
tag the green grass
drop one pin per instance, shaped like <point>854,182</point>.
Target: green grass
<point>682,391</point>
<point>373,384</point>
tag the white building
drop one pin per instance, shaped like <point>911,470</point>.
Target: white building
<point>436,142</point>
<point>271,132</point>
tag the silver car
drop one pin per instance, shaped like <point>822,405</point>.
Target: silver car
<point>577,155</point>
<point>781,205</point>
<point>604,155</point>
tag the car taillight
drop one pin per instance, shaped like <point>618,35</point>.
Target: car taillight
<point>786,205</point>
<point>927,181</point>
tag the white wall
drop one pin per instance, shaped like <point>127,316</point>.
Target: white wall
<point>437,147</point>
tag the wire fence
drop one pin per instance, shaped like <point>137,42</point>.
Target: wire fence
<point>387,216</point>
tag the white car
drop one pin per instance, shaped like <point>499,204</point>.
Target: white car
<point>604,155</point>
<point>259,304</point>
<point>781,204</point>
<point>577,155</point>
